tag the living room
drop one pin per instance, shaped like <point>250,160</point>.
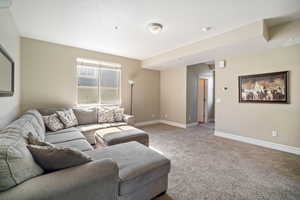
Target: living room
<point>163,100</point>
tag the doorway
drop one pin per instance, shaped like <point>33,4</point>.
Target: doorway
<point>202,100</point>
<point>200,94</point>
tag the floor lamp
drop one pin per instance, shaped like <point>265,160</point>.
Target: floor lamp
<point>131,83</point>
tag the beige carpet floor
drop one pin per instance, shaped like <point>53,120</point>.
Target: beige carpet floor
<point>208,167</point>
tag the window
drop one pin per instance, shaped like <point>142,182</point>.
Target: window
<point>98,83</point>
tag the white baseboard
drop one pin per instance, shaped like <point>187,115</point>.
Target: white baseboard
<point>271,145</point>
<point>211,120</point>
<point>192,124</point>
<point>173,123</point>
<point>147,123</point>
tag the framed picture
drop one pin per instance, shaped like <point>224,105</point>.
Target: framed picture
<point>264,88</point>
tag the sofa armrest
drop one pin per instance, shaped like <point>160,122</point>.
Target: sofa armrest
<point>95,180</point>
<point>129,119</point>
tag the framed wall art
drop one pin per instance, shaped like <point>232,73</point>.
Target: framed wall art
<point>264,88</point>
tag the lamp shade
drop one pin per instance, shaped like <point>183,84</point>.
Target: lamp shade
<point>131,82</point>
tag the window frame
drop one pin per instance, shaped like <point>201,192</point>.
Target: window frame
<point>97,64</point>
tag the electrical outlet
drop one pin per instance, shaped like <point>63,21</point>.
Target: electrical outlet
<point>166,116</point>
<point>274,133</point>
<point>153,115</point>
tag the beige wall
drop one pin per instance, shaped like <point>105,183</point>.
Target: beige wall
<point>258,120</point>
<point>10,41</point>
<point>173,94</point>
<point>48,78</point>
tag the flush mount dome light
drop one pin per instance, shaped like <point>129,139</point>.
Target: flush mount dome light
<point>205,29</point>
<point>155,28</point>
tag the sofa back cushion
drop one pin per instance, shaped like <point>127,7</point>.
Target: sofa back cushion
<point>50,111</point>
<point>30,122</point>
<point>16,162</point>
<point>86,115</point>
<point>38,116</point>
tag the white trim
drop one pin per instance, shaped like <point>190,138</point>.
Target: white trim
<point>211,120</point>
<point>119,69</point>
<point>163,122</point>
<point>192,124</point>
<point>173,123</point>
<point>271,145</point>
<point>147,123</point>
<point>97,63</point>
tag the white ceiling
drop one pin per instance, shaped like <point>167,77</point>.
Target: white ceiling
<point>90,24</point>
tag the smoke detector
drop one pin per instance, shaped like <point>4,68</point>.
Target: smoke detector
<point>155,28</point>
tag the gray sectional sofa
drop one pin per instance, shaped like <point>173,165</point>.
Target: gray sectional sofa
<point>127,171</point>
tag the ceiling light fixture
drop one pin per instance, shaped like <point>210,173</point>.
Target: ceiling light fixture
<point>155,28</point>
<point>205,29</point>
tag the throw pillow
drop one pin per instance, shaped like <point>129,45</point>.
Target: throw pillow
<point>53,123</point>
<point>68,118</point>
<point>55,158</point>
<point>105,115</point>
<point>118,114</point>
<point>86,115</point>
<point>35,141</point>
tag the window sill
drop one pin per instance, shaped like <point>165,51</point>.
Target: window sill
<point>95,105</point>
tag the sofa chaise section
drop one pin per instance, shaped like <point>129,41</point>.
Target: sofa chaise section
<point>143,172</point>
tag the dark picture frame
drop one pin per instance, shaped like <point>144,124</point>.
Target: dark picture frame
<point>264,88</point>
<point>12,74</point>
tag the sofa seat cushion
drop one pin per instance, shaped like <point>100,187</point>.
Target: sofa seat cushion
<point>122,134</point>
<point>80,144</point>
<point>93,127</point>
<point>138,165</point>
<point>90,129</point>
<point>72,129</point>
<point>116,124</point>
<point>64,136</point>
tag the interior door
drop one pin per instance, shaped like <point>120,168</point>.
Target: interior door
<point>201,100</point>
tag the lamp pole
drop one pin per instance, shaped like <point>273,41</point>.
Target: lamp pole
<point>131,88</point>
<point>131,83</point>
